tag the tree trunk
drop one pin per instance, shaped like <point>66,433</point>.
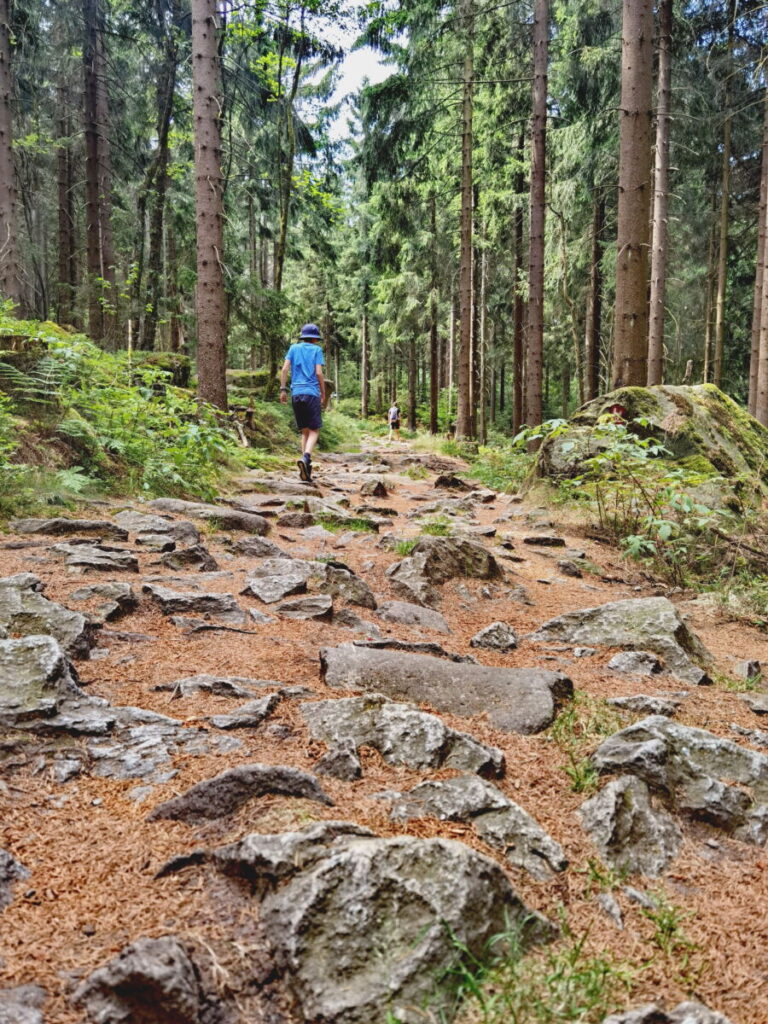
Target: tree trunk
<point>760,267</point>
<point>10,280</point>
<point>535,327</point>
<point>660,200</point>
<point>209,207</point>
<point>464,407</point>
<point>630,354</point>
<point>595,302</point>
<point>67,259</point>
<point>725,195</point>
<point>761,398</point>
<point>518,358</point>
<point>365,367</point>
<point>434,347</point>
<point>175,340</point>
<point>482,369</point>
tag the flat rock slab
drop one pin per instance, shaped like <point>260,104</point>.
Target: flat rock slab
<point>415,647</point>
<point>516,700</point>
<point>24,611</point>
<point>149,981</point>
<point>96,558</point>
<point>417,902</point>
<point>646,704</point>
<point>639,663</point>
<point>248,716</point>
<point>498,820</point>
<point>401,733</point>
<point>240,687</point>
<point>413,615</point>
<point>174,601</point>
<point>142,526</point>
<point>647,623</point>
<point>224,517</point>
<point>631,835</point>
<point>70,528</point>
<point>225,793</point>
<point>319,606</point>
<point>22,1005</point>
<point>701,775</point>
<point>258,547</point>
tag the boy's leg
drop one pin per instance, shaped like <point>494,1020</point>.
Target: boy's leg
<point>304,435</point>
<point>310,440</point>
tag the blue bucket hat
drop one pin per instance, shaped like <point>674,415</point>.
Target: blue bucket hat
<point>310,331</point>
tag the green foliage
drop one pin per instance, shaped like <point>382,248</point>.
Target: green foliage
<point>438,527</point>
<point>403,548</point>
<point>576,730</point>
<point>564,984</point>
<point>502,467</point>
<point>131,428</point>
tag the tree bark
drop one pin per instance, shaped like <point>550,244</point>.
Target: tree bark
<point>10,279</point>
<point>434,347</point>
<point>595,302</point>
<point>67,259</point>
<point>761,397</point>
<point>760,267</point>
<point>463,398</point>
<point>660,200</point>
<point>518,363</point>
<point>725,195</point>
<point>535,326</point>
<point>365,386</point>
<point>630,354</point>
<point>209,206</point>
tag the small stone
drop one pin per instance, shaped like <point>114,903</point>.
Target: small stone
<point>607,902</point>
<point>584,652</point>
<point>341,762</point>
<point>569,568</point>
<point>639,663</point>
<point>320,606</point>
<point>749,669</point>
<point>544,540</point>
<point>499,636</point>
<point>195,557</point>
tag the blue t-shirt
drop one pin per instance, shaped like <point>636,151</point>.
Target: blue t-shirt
<point>304,357</point>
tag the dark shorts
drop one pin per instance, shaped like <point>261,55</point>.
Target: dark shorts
<point>394,424</point>
<point>308,412</point>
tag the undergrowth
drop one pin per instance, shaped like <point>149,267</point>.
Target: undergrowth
<point>577,730</point>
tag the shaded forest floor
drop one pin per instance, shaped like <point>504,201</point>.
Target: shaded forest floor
<point>93,855</point>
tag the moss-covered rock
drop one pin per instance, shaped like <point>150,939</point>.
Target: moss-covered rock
<point>174,363</point>
<point>705,431</point>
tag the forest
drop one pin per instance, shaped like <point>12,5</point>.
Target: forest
<point>538,203</point>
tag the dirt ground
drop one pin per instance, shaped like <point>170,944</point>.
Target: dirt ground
<point>93,855</point>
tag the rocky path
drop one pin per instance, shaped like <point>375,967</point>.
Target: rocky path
<point>255,753</point>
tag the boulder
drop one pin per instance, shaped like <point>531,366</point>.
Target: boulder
<point>423,905</point>
<point>516,700</point>
<point>497,637</point>
<point>412,615</point>
<point>35,677</point>
<point>701,775</point>
<point>11,872</point>
<point>180,531</point>
<point>116,599</point>
<point>498,820</point>
<point>220,516</point>
<point>22,1005</point>
<point>435,560</point>
<point>718,443</point>
<point>646,623</point>
<point>225,793</point>
<point>24,611</point>
<point>151,980</point>
<point>70,528</point>
<point>630,834</point>
<point>637,663</point>
<point>195,557</point>
<point>341,761</point>
<point>415,647</point>
<point>544,540</point>
<point>451,482</point>
<point>374,489</point>
<point>402,734</point>
<point>258,547</point>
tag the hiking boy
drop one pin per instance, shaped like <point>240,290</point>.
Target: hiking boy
<point>393,418</point>
<point>304,361</point>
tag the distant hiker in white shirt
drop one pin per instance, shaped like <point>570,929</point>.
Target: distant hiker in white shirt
<point>393,418</point>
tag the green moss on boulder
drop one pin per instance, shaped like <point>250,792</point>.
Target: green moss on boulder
<point>705,431</point>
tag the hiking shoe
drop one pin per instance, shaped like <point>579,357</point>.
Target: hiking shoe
<point>303,468</point>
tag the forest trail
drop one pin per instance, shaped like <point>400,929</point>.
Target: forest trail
<point>93,855</point>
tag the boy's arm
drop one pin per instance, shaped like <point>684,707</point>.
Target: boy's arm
<point>321,382</point>
<point>283,378</point>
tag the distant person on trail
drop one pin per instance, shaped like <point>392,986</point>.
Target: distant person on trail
<point>304,361</point>
<point>393,418</point>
